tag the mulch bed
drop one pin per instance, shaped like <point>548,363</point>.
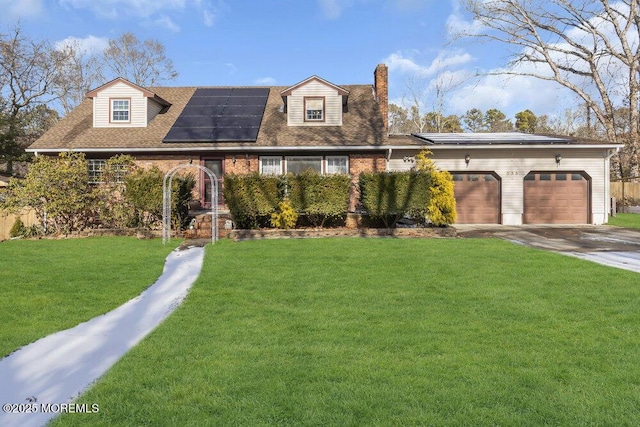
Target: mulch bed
<point>430,232</point>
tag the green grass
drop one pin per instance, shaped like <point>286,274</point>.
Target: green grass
<point>52,285</point>
<point>385,332</point>
<point>627,220</point>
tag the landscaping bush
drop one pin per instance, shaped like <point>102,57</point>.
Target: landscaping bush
<point>252,198</point>
<point>441,208</point>
<point>58,190</point>
<point>17,229</point>
<point>389,196</point>
<point>319,197</point>
<point>112,209</point>
<point>143,191</point>
<point>285,217</point>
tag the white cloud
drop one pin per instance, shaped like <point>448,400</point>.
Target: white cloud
<point>90,45</point>
<point>265,81</point>
<point>414,74</point>
<point>14,9</point>
<point>167,23</point>
<point>457,23</point>
<point>511,94</point>
<point>209,17</point>
<point>162,13</point>
<point>119,8</point>
<point>333,8</point>
<point>408,62</point>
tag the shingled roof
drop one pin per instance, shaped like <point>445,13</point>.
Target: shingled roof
<point>362,126</point>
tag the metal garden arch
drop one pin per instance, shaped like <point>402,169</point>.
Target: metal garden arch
<point>166,201</point>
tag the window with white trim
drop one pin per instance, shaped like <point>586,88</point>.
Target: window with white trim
<point>119,172</point>
<point>299,164</point>
<point>313,109</point>
<point>96,170</point>
<point>271,165</point>
<point>120,110</point>
<point>337,164</point>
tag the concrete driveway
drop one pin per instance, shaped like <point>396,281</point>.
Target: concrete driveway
<point>612,246</point>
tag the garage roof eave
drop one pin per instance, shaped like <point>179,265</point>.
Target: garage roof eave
<point>506,139</point>
<point>506,146</point>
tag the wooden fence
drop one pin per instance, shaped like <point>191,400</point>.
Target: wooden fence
<point>631,190</point>
<point>28,217</point>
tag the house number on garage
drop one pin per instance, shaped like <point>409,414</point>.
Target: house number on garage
<point>512,173</point>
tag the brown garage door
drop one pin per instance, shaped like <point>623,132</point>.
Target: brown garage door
<point>556,198</point>
<point>477,198</point>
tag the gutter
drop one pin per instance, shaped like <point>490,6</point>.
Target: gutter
<point>388,148</point>
<point>221,149</point>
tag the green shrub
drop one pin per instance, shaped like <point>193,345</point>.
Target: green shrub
<point>112,209</point>
<point>57,189</point>
<point>143,191</point>
<point>285,217</point>
<point>17,229</point>
<point>442,202</point>
<point>389,196</point>
<point>319,197</point>
<point>441,208</point>
<point>252,198</point>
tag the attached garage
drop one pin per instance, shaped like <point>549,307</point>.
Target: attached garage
<point>556,198</point>
<point>516,178</point>
<point>477,197</point>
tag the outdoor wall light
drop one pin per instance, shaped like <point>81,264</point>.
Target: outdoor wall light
<point>233,159</point>
<point>558,159</point>
<point>467,159</point>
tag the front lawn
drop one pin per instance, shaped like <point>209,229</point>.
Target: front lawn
<point>52,285</point>
<point>386,332</point>
<point>628,220</point>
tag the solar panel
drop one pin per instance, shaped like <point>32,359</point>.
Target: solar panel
<point>491,138</point>
<point>220,115</point>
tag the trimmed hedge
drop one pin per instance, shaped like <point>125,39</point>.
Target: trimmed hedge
<point>252,198</point>
<point>143,194</point>
<point>389,196</point>
<point>319,197</point>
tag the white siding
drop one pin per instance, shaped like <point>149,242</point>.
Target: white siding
<point>102,107</point>
<point>153,108</point>
<point>513,165</point>
<point>333,104</point>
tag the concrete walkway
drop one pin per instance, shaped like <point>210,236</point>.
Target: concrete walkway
<point>37,381</point>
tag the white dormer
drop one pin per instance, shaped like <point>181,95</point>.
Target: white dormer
<point>121,103</point>
<point>314,102</point>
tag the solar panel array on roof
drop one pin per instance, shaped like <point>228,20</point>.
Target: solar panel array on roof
<point>220,115</point>
<point>491,138</point>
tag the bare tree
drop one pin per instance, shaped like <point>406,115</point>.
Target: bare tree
<point>145,64</point>
<point>81,71</point>
<point>28,74</point>
<point>588,46</point>
<point>398,120</point>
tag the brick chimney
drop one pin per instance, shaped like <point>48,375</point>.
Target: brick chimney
<point>381,88</point>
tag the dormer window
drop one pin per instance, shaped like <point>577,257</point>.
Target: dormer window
<point>314,109</point>
<point>120,112</point>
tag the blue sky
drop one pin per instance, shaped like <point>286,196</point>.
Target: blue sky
<point>281,42</point>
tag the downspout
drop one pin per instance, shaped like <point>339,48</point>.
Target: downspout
<point>607,174</point>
